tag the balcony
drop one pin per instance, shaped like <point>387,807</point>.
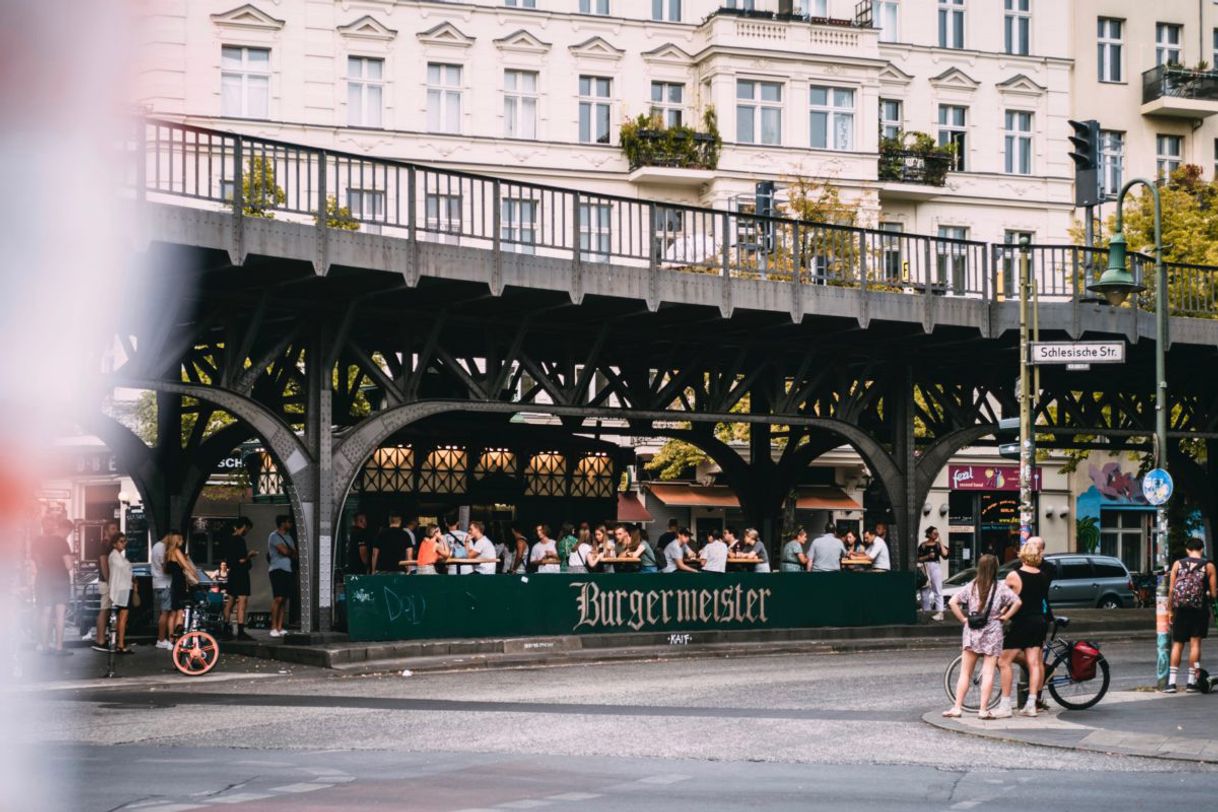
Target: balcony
<point>732,28</point>
<point>913,167</point>
<point>1179,92</point>
<point>671,156</point>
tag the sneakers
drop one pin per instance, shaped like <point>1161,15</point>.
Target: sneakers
<point>1192,688</point>
<point>276,633</point>
<point>1001,712</point>
<point>164,644</point>
<point>1029,710</point>
<point>985,714</point>
<point>937,616</point>
<point>100,647</point>
<point>1170,689</point>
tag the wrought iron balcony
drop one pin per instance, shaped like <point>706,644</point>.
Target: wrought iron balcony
<point>914,166</point>
<point>1173,90</point>
<point>658,148</point>
<point>792,16</point>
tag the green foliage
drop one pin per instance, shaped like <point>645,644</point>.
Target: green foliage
<point>339,217</point>
<point>915,157</point>
<point>647,142</point>
<point>1087,531</point>
<point>259,192</point>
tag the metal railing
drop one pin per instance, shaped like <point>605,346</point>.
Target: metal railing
<point>914,166</point>
<point>1179,82</point>
<point>259,177</point>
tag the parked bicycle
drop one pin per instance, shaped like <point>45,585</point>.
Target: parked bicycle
<point>1083,680</point>
<point>197,651</point>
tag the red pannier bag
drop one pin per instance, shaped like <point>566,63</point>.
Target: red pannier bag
<point>1082,661</point>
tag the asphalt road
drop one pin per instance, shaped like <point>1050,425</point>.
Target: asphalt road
<point>794,731</point>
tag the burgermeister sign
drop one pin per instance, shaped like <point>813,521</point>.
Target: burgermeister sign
<point>603,607</point>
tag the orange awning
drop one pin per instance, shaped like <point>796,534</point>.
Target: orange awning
<point>716,496</point>
<point>630,509</point>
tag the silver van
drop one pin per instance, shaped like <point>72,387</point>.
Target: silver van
<point>1080,579</point>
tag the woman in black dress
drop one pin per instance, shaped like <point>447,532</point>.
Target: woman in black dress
<point>1029,626</point>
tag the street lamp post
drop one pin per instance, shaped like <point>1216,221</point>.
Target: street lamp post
<point>1115,285</point>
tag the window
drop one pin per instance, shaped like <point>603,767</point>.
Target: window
<point>1103,569</point>
<point>594,109</point>
<point>518,224</point>
<point>519,104</point>
<point>594,7</point>
<point>891,258</point>
<point>758,112</point>
<point>952,258</point>
<point>364,91</point>
<point>1018,142</point>
<point>443,216</point>
<point>812,8</point>
<point>1074,569</point>
<point>884,17</point>
<point>891,120</point>
<point>832,117</point>
<point>1167,44</point>
<point>1112,162</point>
<point>1017,26</point>
<point>443,98</point>
<point>245,82</point>
<point>367,204</point>
<point>1168,149</point>
<point>594,231</point>
<point>952,130</point>
<point>520,3</point>
<point>1011,259</point>
<point>746,5</point>
<point>666,103</point>
<point>1214,53</point>
<point>666,10</point>
<point>951,23</point>
<point>1109,46</point>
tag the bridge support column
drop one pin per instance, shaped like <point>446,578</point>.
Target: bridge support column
<point>900,483</point>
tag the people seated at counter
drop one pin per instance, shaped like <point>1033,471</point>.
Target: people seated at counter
<point>714,555</point>
<point>825,553</point>
<point>543,558</point>
<point>750,546</point>
<point>794,557</point>
<point>454,539</point>
<point>515,556</point>
<point>630,544</point>
<point>854,557</point>
<point>602,547</point>
<point>392,546</point>
<point>478,546</point>
<point>876,550</point>
<point>431,550</point>
<point>679,555</point>
<point>577,559</point>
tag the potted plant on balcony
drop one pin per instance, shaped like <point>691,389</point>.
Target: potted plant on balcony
<point>647,142</point>
<point>915,157</point>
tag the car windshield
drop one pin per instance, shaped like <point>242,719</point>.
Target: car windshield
<point>962,577</point>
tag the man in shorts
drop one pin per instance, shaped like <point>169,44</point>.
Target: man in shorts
<point>239,558</point>
<point>1193,585</point>
<point>162,597</point>
<point>52,582</point>
<point>281,551</point>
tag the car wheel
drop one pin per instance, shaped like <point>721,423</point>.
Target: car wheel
<point>1110,602</point>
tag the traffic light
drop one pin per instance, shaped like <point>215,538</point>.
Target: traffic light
<point>764,205</point>
<point>1086,157</point>
<point>1008,438</point>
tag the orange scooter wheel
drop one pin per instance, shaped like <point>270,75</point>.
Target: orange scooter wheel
<point>196,653</point>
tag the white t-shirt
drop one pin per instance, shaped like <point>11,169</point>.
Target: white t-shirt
<point>674,551</point>
<point>120,579</point>
<point>715,556</point>
<point>579,556</point>
<point>540,550</point>
<point>878,552</point>
<point>484,548</point>
<point>156,559</point>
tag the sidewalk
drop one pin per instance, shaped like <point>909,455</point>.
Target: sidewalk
<point>1133,723</point>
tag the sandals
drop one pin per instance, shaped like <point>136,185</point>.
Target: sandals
<point>985,714</point>
<point>951,713</point>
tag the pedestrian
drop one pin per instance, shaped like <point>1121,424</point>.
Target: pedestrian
<point>103,592</point>
<point>543,558</point>
<point>52,584</point>
<point>714,555</point>
<point>566,543</point>
<point>793,558</point>
<point>162,598</point>
<point>875,548</point>
<point>280,553</point>
<point>1193,586</point>
<point>825,553</point>
<point>392,546</point>
<point>478,546</point>
<point>239,559</point>
<point>677,553</point>
<point>182,575</point>
<point>930,552</point>
<point>359,546</point>
<point>122,583</point>
<point>1029,625</point>
<point>990,603</point>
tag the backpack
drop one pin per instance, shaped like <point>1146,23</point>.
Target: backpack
<point>1192,585</point>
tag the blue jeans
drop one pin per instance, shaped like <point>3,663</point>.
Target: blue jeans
<point>648,569</point>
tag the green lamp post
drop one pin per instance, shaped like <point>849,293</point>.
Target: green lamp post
<point>1115,285</point>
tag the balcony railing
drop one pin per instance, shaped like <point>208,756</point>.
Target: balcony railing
<point>659,148</point>
<point>913,166</point>
<point>1178,82</point>
<point>790,16</point>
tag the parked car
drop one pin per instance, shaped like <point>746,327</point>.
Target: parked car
<point>1080,580</point>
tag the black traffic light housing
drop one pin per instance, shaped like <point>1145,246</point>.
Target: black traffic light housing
<point>1086,156</point>
<point>764,205</point>
<point>1008,438</point>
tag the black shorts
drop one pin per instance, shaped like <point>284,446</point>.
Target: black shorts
<point>238,583</point>
<point>281,583</point>
<point>1026,632</point>
<point>1188,622</point>
<point>52,591</point>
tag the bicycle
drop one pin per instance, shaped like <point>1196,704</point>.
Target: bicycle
<point>196,651</point>
<point>1069,693</point>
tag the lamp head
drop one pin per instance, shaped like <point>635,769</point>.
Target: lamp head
<point>1116,283</point>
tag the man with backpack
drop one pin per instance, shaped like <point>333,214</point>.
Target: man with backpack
<point>1194,583</point>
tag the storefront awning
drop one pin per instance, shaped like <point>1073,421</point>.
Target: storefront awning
<point>630,509</point>
<point>714,496</point>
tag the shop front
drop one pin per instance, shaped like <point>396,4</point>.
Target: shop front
<point>1113,516</point>
<point>983,512</point>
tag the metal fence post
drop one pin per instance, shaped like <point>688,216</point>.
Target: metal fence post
<point>496,215</point>
<point>863,261</point>
<point>322,214</point>
<point>727,248</point>
<point>238,177</point>
<point>411,205</point>
<point>653,239</point>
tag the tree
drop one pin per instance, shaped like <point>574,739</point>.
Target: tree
<point>339,217</point>
<point>259,192</point>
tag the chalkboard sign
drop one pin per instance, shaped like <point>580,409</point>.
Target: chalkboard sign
<point>137,534</point>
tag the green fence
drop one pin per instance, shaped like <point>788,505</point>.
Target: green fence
<point>411,607</point>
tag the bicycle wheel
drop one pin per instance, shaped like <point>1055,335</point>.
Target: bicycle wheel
<point>972,697</point>
<point>195,653</point>
<point>1079,695</point>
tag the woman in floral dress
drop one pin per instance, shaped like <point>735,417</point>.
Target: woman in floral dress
<point>985,642</point>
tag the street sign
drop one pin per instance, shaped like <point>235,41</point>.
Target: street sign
<point>1157,486</point>
<point>1078,352</point>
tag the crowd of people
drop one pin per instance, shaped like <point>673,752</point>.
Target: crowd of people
<point>405,546</point>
